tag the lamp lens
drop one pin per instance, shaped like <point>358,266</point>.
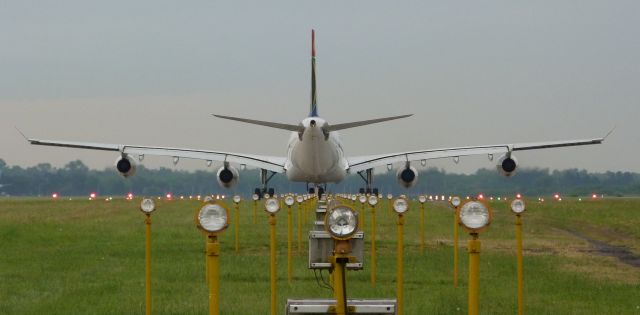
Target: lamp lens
<point>272,205</point>
<point>342,222</point>
<point>400,205</point>
<point>517,205</point>
<point>289,200</point>
<point>299,199</point>
<point>255,197</point>
<point>212,217</point>
<point>474,215</point>
<point>373,200</point>
<point>147,205</point>
<point>362,198</point>
<point>389,196</point>
<point>236,199</point>
<point>455,201</point>
<point>422,198</point>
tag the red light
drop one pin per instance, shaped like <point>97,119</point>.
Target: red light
<point>54,196</point>
<point>130,196</point>
<point>594,196</point>
<point>169,196</point>
<point>557,196</point>
<point>92,195</point>
<point>519,196</point>
<point>480,196</point>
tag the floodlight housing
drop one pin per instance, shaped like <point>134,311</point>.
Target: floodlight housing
<point>362,198</point>
<point>373,200</point>
<point>475,216</point>
<point>288,200</point>
<point>354,197</point>
<point>517,206</point>
<point>389,196</point>
<point>237,198</point>
<point>401,205</point>
<point>271,205</point>
<point>341,222</point>
<point>299,199</point>
<point>455,201</point>
<point>422,198</point>
<point>147,205</point>
<point>255,197</point>
<point>212,217</point>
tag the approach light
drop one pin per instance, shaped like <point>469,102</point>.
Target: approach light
<point>400,205</point>
<point>422,198</point>
<point>594,196</point>
<point>212,217</point>
<point>207,199</point>
<point>480,197</point>
<point>147,205</point>
<point>517,206</point>
<point>92,195</point>
<point>54,196</point>
<point>299,199</point>
<point>255,197</point>
<point>362,198</point>
<point>272,205</point>
<point>267,196</point>
<point>556,196</point>
<point>353,198</point>
<point>168,196</point>
<point>519,196</point>
<point>288,200</point>
<point>389,196</point>
<point>237,199</point>
<point>341,222</point>
<point>475,216</point>
<point>373,200</point>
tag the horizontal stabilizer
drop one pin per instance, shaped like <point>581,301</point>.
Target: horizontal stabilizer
<point>363,122</point>
<point>296,128</point>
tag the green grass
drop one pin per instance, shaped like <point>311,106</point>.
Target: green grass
<point>82,257</point>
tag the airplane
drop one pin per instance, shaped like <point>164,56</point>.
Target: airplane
<point>315,153</point>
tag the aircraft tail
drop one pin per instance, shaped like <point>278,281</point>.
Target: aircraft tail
<point>314,97</point>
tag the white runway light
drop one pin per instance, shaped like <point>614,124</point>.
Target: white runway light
<point>474,215</point>
<point>342,222</point>
<point>212,218</point>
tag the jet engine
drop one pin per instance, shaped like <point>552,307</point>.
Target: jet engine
<point>507,165</point>
<point>407,176</point>
<point>126,166</point>
<point>227,176</point>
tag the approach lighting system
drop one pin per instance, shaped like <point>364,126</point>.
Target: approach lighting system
<point>212,218</point>
<point>255,197</point>
<point>237,199</point>
<point>362,198</point>
<point>400,205</point>
<point>455,201</point>
<point>422,198</point>
<point>341,222</point>
<point>147,205</point>
<point>288,200</point>
<point>272,205</point>
<point>517,206</point>
<point>475,216</point>
<point>373,200</point>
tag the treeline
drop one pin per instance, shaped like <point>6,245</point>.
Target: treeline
<point>76,179</point>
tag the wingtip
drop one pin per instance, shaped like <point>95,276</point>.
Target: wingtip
<point>609,133</point>
<point>22,134</point>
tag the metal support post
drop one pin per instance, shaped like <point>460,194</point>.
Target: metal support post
<point>272,261</point>
<point>400,265</point>
<point>519,262</point>
<point>373,245</point>
<point>289,241</point>
<point>147,256</point>
<point>455,247</point>
<point>474,274</point>
<point>213,265</point>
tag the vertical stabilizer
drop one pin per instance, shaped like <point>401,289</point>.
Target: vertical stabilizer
<point>314,98</point>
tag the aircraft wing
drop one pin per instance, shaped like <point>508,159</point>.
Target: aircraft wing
<point>271,163</point>
<point>360,163</point>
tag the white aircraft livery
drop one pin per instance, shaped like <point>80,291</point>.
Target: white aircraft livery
<point>314,152</point>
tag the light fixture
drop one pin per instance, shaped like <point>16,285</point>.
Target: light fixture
<point>362,198</point>
<point>207,199</point>
<point>400,205</point>
<point>288,200</point>
<point>389,196</point>
<point>517,206</point>
<point>299,199</point>
<point>475,216</point>
<point>341,222</point>
<point>237,199</point>
<point>353,197</point>
<point>373,200</point>
<point>422,198</point>
<point>212,217</point>
<point>147,205</point>
<point>255,197</point>
<point>272,205</point>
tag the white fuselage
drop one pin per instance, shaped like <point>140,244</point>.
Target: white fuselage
<point>313,157</point>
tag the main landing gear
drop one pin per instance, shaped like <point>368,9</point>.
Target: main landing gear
<point>368,180</point>
<point>265,177</point>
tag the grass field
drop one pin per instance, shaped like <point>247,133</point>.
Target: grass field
<point>87,257</point>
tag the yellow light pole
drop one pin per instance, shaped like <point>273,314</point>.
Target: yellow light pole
<point>211,219</point>
<point>255,198</point>
<point>299,201</point>
<point>475,216</point>
<point>288,200</point>
<point>455,202</point>
<point>272,206</point>
<point>518,207</point>
<point>363,200</point>
<point>341,222</point>
<point>236,202</point>
<point>147,206</point>
<point>400,206</point>
<point>373,201</point>
<point>390,204</point>
<point>422,199</point>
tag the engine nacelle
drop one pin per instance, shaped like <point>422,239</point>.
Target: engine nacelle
<point>507,165</point>
<point>227,176</point>
<point>126,166</point>
<point>407,176</point>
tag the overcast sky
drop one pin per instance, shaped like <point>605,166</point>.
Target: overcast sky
<point>477,72</point>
